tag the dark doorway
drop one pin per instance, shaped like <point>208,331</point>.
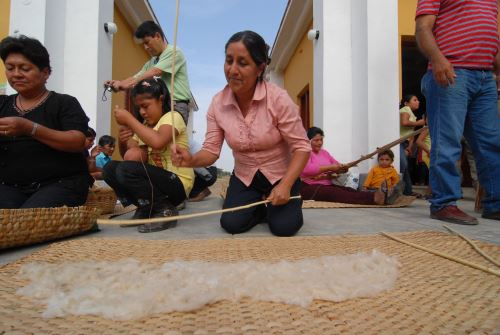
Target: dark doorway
<point>414,66</point>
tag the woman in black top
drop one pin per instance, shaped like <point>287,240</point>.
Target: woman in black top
<point>41,134</point>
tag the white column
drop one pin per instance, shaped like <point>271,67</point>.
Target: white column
<point>356,75</point>
<point>383,74</point>
<point>333,75</point>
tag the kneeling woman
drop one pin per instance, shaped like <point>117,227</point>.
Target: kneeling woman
<point>262,126</point>
<point>317,177</point>
<point>156,186</point>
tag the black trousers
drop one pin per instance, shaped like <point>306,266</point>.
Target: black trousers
<point>69,191</point>
<point>135,183</point>
<point>203,180</point>
<point>285,220</point>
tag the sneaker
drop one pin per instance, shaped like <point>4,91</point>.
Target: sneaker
<point>200,196</point>
<point>453,214</point>
<point>491,216</point>
<point>162,210</point>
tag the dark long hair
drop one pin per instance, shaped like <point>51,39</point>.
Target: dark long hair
<point>313,131</point>
<point>255,45</point>
<point>155,88</point>
<point>406,99</point>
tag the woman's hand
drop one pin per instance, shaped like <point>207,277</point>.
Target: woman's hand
<point>125,134</point>
<point>180,157</point>
<point>15,126</point>
<point>280,195</point>
<point>122,116</point>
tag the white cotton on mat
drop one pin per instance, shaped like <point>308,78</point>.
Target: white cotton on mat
<point>129,289</point>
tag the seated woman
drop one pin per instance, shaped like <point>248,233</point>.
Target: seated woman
<point>42,134</point>
<point>319,171</point>
<point>262,126</point>
<point>147,177</point>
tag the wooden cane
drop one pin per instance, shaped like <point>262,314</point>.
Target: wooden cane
<point>187,216</point>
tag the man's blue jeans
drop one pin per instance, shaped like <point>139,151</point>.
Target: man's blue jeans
<point>468,107</point>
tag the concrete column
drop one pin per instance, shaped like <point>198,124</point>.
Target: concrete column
<point>356,75</point>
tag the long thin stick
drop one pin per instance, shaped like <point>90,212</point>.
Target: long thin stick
<point>173,69</point>
<point>187,216</point>
<point>385,147</point>
<point>437,253</point>
<point>473,245</point>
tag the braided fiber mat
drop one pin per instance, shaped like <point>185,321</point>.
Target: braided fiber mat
<point>402,201</point>
<point>432,295</point>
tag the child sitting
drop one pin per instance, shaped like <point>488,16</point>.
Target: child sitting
<point>147,178</point>
<point>106,149</point>
<point>384,175</point>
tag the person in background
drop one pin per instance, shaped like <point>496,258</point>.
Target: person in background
<point>204,178</point>
<point>319,171</point>
<point>160,65</point>
<point>407,122</point>
<point>460,39</point>
<point>106,148</point>
<point>42,134</point>
<point>384,175</point>
<point>262,126</point>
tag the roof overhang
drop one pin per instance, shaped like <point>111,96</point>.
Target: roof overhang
<point>295,22</point>
<point>136,12</point>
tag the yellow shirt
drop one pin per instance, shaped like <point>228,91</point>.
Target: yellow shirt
<point>378,174</point>
<point>162,159</point>
<point>403,131</point>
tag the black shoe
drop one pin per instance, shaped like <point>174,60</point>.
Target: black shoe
<point>141,212</point>
<point>160,210</point>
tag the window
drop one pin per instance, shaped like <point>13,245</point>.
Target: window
<point>303,98</point>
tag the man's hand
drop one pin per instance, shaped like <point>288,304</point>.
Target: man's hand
<point>443,71</point>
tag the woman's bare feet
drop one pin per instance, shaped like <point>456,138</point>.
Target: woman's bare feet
<point>379,197</point>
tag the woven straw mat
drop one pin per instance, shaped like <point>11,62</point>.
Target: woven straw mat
<point>432,295</point>
<point>20,227</point>
<point>103,198</point>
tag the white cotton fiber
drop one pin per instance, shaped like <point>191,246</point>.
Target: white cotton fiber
<point>129,289</point>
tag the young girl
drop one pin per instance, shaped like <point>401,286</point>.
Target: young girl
<point>382,174</point>
<point>147,177</point>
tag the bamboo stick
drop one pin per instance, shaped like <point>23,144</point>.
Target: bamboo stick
<point>474,246</point>
<point>186,216</point>
<point>449,257</point>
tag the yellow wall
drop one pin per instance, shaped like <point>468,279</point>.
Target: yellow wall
<point>299,72</point>
<point>128,58</point>
<point>4,31</point>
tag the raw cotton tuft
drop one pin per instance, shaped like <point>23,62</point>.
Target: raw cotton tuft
<point>129,289</point>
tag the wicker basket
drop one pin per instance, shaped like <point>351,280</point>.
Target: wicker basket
<point>103,198</point>
<point>20,227</point>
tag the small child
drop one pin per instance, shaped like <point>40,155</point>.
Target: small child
<point>383,172</point>
<point>106,149</point>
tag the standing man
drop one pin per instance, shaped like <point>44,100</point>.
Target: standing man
<point>160,65</point>
<point>460,39</point>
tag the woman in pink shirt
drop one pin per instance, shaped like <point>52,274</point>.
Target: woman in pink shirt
<point>262,126</point>
<point>318,173</point>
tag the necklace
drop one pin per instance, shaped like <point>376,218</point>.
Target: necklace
<point>39,100</point>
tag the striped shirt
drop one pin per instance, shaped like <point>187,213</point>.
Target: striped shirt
<point>466,31</point>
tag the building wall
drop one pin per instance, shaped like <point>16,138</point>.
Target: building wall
<point>4,31</point>
<point>299,72</point>
<point>128,58</point>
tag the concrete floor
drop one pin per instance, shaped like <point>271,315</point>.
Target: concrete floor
<point>316,222</point>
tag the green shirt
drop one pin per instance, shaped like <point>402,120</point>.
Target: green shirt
<point>164,63</point>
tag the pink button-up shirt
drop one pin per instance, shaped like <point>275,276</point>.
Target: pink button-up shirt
<point>263,140</point>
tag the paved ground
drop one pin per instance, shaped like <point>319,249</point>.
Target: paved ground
<point>317,222</point>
